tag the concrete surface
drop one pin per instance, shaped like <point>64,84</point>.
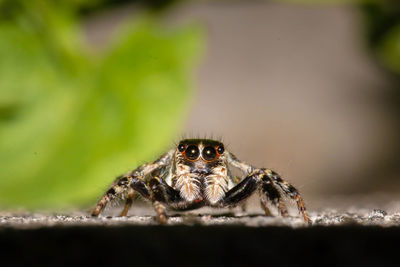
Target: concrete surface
<point>376,217</point>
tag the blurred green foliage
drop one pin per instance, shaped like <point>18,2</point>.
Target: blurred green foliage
<point>382,19</point>
<point>325,2</point>
<point>71,118</point>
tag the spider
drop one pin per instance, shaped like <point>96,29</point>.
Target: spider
<point>197,173</point>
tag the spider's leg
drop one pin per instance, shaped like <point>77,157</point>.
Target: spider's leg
<point>128,202</point>
<point>162,194</point>
<point>268,187</point>
<point>158,197</point>
<point>165,193</point>
<point>264,205</point>
<point>269,193</point>
<point>132,180</point>
<point>242,190</point>
<point>120,186</point>
<point>289,191</point>
<point>109,195</point>
<point>235,181</point>
<point>161,214</point>
<point>232,160</point>
<point>257,179</point>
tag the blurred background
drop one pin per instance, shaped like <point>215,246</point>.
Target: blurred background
<point>90,89</point>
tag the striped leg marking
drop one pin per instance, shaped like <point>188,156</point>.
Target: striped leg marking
<point>268,192</point>
<point>119,187</point>
<point>289,191</point>
<point>130,182</point>
<point>160,210</point>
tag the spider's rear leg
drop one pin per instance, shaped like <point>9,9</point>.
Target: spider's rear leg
<point>290,191</point>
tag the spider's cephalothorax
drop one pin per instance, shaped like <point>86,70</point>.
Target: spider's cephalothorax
<point>198,173</point>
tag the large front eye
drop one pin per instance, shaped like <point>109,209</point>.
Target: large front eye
<point>192,152</point>
<point>209,153</point>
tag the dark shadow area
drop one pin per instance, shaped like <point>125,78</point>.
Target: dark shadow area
<point>200,246</point>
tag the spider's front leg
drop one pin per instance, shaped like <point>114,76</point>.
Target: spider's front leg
<point>256,180</point>
<point>289,191</point>
<point>270,185</point>
<point>133,181</point>
<point>158,197</point>
<point>126,184</point>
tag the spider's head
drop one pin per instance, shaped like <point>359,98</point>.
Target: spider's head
<point>201,153</point>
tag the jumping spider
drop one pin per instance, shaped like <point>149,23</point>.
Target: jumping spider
<point>197,173</point>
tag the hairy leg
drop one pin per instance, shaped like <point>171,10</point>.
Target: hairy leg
<point>132,180</point>
<point>289,191</point>
<point>237,180</point>
<point>268,193</point>
<point>264,205</point>
<point>269,182</point>
<point>241,191</point>
<point>120,186</point>
<point>161,193</point>
<point>128,202</point>
<point>161,213</point>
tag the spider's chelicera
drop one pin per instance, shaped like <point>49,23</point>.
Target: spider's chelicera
<point>197,173</point>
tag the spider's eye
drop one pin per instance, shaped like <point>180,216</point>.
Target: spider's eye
<point>192,152</point>
<point>181,147</point>
<point>209,153</point>
<point>221,149</point>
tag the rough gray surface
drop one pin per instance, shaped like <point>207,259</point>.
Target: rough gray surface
<point>328,217</point>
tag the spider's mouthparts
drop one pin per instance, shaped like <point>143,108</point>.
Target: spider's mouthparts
<point>202,171</point>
